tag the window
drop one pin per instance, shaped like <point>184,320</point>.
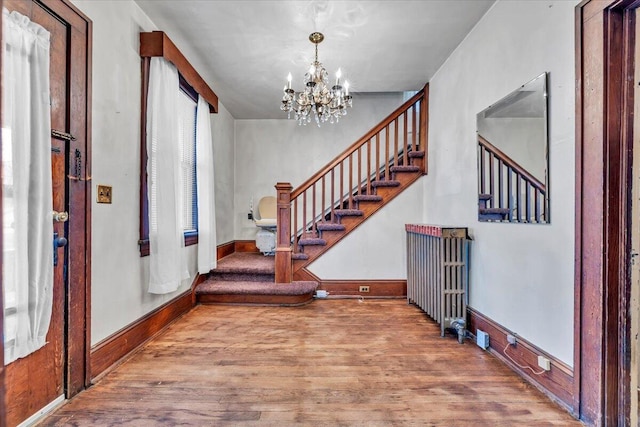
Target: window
<point>157,44</point>
<point>187,110</point>
<point>187,123</point>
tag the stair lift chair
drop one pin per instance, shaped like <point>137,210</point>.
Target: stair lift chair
<point>265,218</point>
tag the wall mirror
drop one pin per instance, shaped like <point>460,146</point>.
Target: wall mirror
<point>513,157</point>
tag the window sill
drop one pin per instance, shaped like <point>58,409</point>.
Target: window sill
<point>190,238</point>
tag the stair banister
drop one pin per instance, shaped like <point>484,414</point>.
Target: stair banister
<point>347,152</point>
<point>283,233</point>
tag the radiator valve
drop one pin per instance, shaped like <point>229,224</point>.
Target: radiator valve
<point>460,327</point>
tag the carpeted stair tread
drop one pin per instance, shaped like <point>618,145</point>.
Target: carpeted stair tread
<point>211,287</point>
<point>485,196</point>
<point>385,183</point>
<point>314,241</point>
<point>330,226</point>
<point>348,212</point>
<point>299,256</point>
<point>499,211</point>
<point>367,198</point>
<point>245,263</point>
<point>416,154</point>
<point>407,168</point>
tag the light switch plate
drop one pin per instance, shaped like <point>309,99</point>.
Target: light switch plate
<point>104,194</point>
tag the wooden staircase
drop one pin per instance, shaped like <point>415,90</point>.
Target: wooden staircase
<point>351,188</point>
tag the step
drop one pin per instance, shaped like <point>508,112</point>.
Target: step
<point>367,198</point>
<point>405,169</point>
<point>415,154</point>
<point>242,276</point>
<point>492,214</point>
<point>299,256</point>
<point>385,183</point>
<point>485,197</point>
<point>269,293</point>
<point>329,226</point>
<point>312,241</point>
<point>347,212</point>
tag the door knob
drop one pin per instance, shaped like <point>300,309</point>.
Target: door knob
<point>60,216</point>
<point>58,242</point>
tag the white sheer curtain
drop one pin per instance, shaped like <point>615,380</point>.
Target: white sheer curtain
<point>26,178</point>
<point>164,183</point>
<point>206,197</point>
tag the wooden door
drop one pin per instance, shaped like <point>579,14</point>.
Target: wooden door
<point>59,368</point>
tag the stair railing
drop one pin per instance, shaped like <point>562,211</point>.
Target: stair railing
<point>510,185</point>
<point>348,175</point>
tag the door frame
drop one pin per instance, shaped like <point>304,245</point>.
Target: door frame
<point>605,42</point>
<point>78,303</point>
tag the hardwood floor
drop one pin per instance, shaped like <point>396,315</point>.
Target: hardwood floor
<point>330,363</point>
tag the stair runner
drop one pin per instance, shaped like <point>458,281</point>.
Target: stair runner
<point>248,278</point>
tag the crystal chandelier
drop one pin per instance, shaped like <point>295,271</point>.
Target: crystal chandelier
<point>327,104</point>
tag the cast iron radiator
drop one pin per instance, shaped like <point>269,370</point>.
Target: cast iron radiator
<point>437,273</point>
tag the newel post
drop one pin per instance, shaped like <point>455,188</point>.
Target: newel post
<point>283,233</point>
<point>424,127</point>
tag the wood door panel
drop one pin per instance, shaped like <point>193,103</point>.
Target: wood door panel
<point>36,380</point>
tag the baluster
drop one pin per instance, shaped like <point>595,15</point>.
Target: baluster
<point>413,127</point>
<point>333,199</point>
<point>350,181</point>
<point>313,209</point>
<point>536,204</point>
<point>528,201</point>
<point>378,158</point>
<point>395,142</point>
<point>405,154</point>
<point>509,193</point>
<point>386,152</point>
<point>369,166</point>
<point>341,185</point>
<point>304,211</point>
<point>518,197</point>
<point>322,210</point>
<point>359,183</point>
<point>295,225</point>
<point>500,187</point>
<point>481,156</point>
<point>491,179</point>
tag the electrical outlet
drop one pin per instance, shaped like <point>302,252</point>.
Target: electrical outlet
<point>511,339</point>
<point>544,363</point>
<point>364,289</point>
<point>482,339</point>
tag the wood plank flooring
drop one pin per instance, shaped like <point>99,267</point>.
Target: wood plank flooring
<point>330,363</point>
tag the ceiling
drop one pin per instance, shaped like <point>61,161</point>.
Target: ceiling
<point>245,49</point>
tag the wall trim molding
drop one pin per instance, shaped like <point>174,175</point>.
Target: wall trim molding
<point>245,246</point>
<point>558,383</point>
<point>377,288</point>
<point>106,354</point>
<point>225,249</point>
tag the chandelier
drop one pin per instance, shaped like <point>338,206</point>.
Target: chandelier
<point>327,104</point>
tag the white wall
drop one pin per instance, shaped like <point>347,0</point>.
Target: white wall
<point>377,249</point>
<point>223,135</point>
<point>119,277</point>
<point>271,151</point>
<point>521,275</point>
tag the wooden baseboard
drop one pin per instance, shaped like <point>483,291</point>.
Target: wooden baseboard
<point>377,288</point>
<point>556,383</point>
<point>112,349</point>
<point>245,246</point>
<point>225,249</point>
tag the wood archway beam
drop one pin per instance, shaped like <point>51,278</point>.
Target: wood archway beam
<point>158,44</point>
